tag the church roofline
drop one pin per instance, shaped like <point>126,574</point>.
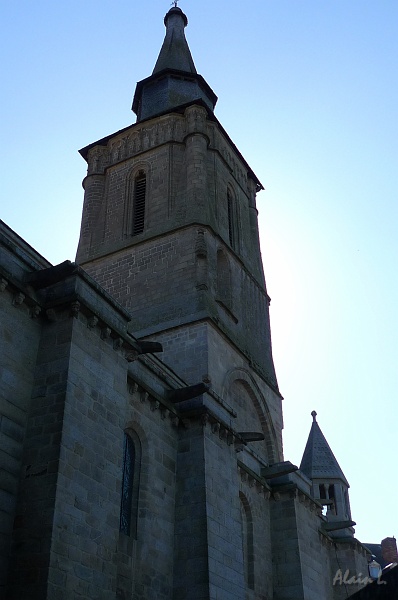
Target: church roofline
<point>178,109</point>
<point>19,246</point>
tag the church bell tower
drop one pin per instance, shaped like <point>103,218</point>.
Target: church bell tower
<point>169,230</point>
<point>147,453</point>
<point>169,223</point>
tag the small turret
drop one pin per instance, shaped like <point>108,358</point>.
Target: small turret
<point>329,484</point>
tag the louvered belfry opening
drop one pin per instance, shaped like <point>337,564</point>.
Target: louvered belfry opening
<point>139,203</point>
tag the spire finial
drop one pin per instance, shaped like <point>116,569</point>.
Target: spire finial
<point>175,3</point>
<point>313,415</point>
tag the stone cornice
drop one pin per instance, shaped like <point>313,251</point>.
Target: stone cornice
<point>292,490</point>
<point>254,480</point>
<point>168,127</point>
<point>20,295</point>
<point>352,541</point>
<point>156,402</point>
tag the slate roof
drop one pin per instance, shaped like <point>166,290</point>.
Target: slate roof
<point>175,53</point>
<point>174,81</point>
<point>318,460</point>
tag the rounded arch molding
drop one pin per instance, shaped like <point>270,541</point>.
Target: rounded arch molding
<point>140,165</point>
<point>138,434</point>
<point>243,377</point>
<point>134,428</point>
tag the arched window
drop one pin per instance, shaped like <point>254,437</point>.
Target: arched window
<point>139,203</point>
<point>130,484</point>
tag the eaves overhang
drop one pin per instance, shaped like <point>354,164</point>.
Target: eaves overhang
<point>172,73</point>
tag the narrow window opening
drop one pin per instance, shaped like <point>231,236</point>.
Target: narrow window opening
<point>224,284</point>
<point>130,487</point>
<point>347,505</point>
<point>332,498</point>
<point>230,207</point>
<point>139,203</point>
<point>127,485</point>
<point>247,541</point>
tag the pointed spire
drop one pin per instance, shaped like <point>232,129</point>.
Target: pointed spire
<point>318,460</point>
<point>175,53</point>
<point>174,82</point>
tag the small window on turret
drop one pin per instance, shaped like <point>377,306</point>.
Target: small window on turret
<point>322,492</point>
<point>332,497</point>
<point>139,203</point>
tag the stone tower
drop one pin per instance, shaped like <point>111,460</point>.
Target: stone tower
<point>169,229</point>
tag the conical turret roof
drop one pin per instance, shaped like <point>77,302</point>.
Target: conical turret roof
<point>318,460</point>
<point>174,81</point>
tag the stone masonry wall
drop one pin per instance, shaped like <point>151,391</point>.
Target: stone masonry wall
<point>155,282</point>
<point>152,573</point>
<point>166,282</point>
<point>224,522</point>
<point>209,559</point>
<point>191,557</point>
<point>301,554</point>
<point>189,164</point>
<point>227,366</point>
<point>20,328</point>
<point>199,352</point>
<point>349,561</point>
<point>184,265</point>
<point>255,509</point>
<point>66,542</point>
<point>30,554</point>
<point>19,334</point>
<point>314,551</point>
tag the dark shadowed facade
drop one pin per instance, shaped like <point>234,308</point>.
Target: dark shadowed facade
<point>141,419</point>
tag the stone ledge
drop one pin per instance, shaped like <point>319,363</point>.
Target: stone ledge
<point>293,490</point>
<point>21,249</point>
<point>254,479</point>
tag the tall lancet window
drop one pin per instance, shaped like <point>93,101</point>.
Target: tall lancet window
<point>130,484</point>
<point>232,220</point>
<point>230,208</point>
<point>139,203</point>
<point>247,540</point>
<point>224,284</point>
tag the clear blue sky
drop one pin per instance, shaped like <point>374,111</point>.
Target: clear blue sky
<point>308,92</point>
